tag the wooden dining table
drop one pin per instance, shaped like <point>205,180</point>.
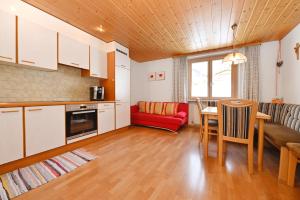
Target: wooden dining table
<point>212,113</point>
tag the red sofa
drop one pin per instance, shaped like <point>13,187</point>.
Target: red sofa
<point>172,123</point>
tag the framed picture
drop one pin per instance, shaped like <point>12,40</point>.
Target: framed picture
<point>160,76</point>
<point>151,76</point>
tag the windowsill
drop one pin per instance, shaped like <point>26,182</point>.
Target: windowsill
<point>213,99</point>
<point>194,100</point>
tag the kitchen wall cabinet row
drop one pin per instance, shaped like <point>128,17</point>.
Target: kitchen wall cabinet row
<point>44,129</point>
<point>28,43</point>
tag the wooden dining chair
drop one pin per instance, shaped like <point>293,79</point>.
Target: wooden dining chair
<point>294,159</point>
<point>236,124</point>
<point>212,124</point>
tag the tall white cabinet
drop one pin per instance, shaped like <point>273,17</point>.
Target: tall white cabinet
<point>44,128</point>
<point>37,45</point>
<point>7,37</point>
<point>11,134</point>
<point>122,88</point>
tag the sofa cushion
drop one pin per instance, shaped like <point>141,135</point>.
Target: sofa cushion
<point>170,108</point>
<point>294,147</point>
<point>158,118</point>
<point>143,106</point>
<point>158,108</point>
<point>280,135</point>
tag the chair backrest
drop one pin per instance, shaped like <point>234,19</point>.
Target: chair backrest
<point>237,118</point>
<point>200,108</point>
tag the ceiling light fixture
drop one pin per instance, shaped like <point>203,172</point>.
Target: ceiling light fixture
<point>100,29</point>
<point>235,57</point>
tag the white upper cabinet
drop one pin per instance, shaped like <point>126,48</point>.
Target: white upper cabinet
<point>98,63</point>
<point>37,45</point>
<point>7,37</point>
<point>73,52</point>
<point>11,134</point>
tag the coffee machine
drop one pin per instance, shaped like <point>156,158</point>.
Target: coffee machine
<point>97,93</point>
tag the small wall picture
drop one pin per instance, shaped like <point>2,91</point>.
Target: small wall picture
<point>160,76</point>
<point>151,76</point>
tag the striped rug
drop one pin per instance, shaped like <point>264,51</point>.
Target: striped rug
<point>22,180</point>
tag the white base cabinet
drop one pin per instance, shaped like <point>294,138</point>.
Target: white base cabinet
<point>45,128</point>
<point>11,134</point>
<point>122,114</point>
<point>106,117</point>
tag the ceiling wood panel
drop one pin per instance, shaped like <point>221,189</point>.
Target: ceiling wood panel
<point>154,29</point>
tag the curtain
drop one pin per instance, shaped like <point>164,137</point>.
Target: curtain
<point>180,79</point>
<point>248,74</point>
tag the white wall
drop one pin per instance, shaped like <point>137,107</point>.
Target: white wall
<point>267,71</point>
<point>290,71</point>
<point>143,89</point>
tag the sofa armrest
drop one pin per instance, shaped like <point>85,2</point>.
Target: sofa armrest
<point>184,107</point>
<point>181,115</point>
<point>134,109</point>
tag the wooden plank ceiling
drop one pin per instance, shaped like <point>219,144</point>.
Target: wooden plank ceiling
<point>154,29</point>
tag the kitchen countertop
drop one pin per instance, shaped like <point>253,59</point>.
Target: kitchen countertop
<point>47,103</point>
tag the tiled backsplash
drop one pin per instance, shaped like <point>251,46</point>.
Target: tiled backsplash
<point>18,83</point>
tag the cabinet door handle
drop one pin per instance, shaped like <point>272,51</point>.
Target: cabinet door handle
<point>95,74</point>
<point>75,64</point>
<point>36,109</point>
<point>118,104</point>
<point>8,58</point>
<point>28,61</point>
<point>10,111</point>
<point>100,111</point>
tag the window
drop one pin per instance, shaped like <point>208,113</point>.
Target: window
<point>200,79</point>
<point>211,78</point>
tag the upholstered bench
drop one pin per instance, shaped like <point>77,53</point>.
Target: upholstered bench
<point>284,127</point>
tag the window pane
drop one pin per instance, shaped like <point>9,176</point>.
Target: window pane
<point>200,79</point>
<point>221,79</point>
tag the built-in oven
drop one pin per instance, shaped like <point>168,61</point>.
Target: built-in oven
<point>81,120</point>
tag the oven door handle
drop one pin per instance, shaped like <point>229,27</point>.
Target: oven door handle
<point>83,112</point>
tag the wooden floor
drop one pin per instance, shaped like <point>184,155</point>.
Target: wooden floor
<point>143,163</point>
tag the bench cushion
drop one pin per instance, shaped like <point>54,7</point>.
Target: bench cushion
<point>274,110</point>
<point>291,117</point>
<point>280,135</point>
<point>212,122</point>
<point>295,147</point>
